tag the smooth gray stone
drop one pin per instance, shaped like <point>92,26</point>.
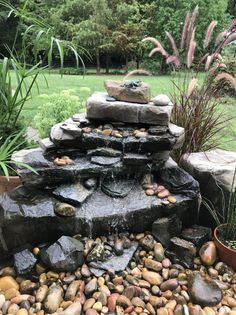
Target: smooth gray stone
<point>214,170</point>
<point>204,292</point>
<point>46,144</point>
<point>33,157</point>
<point>99,108</point>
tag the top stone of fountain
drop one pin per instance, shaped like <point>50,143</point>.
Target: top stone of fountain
<point>134,91</point>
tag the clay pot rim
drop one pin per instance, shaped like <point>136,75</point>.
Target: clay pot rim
<point>10,179</point>
<point>233,251</point>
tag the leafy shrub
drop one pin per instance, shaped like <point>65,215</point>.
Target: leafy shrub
<point>58,107</point>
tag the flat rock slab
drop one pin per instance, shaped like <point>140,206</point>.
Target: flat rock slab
<point>29,217</point>
<point>117,188</point>
<point>74,194</point>
<point>104,160</point>
<point>98,108</point>
<point>48,174</point>
<point>116,263</point>
<point>136,159</point>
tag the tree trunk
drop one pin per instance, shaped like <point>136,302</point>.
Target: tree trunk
<point>126,64</point>
<point>98,61</point>
<point>137,63</point>
<point>107,63</point>
<point>162,68</point>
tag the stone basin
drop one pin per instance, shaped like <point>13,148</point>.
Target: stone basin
<point>27,217</point>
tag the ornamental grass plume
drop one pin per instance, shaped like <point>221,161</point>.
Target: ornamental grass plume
<point>197,104</point>
<point>209,32</point>
<point>136,72</point>
<point>184,55</point>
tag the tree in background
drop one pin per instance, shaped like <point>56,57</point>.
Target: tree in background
<point>111,29</point>
<point>232,7</point>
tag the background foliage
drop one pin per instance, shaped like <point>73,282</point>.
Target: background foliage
<point>111,30</point>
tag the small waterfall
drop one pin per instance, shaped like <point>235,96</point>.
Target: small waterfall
<point>2,241</point>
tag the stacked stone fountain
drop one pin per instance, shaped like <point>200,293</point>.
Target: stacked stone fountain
<point>104,171</point>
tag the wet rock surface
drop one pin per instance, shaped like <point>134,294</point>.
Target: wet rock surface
<point>181,251</point>
<point>28,216</point>
<point>117,188</point>
<point>64,255</point>
<point>75,194</point>
<point>196,234</point>
<point>165,228</point>
<point>24,262</point>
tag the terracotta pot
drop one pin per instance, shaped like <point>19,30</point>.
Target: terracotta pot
<point>8,185</point>
<point>226,254</point>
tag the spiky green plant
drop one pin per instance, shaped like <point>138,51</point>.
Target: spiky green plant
<point>7,148</point>
<point>13,98</point>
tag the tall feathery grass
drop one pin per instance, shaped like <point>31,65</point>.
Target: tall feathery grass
<point>197,104</point>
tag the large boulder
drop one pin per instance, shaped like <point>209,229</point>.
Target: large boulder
<point>214,170</point>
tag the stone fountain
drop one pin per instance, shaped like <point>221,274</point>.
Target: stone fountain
<point>105,171</point>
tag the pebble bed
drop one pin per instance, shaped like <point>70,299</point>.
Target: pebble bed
<point>150,284</point>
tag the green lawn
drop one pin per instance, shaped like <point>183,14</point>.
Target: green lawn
<point>159,85</point>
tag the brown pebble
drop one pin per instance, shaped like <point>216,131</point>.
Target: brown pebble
<point>163,194</point>
<point>59,162</point>
<point>172,199</point>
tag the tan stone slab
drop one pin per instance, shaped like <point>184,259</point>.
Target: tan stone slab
<point>99,108</point>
